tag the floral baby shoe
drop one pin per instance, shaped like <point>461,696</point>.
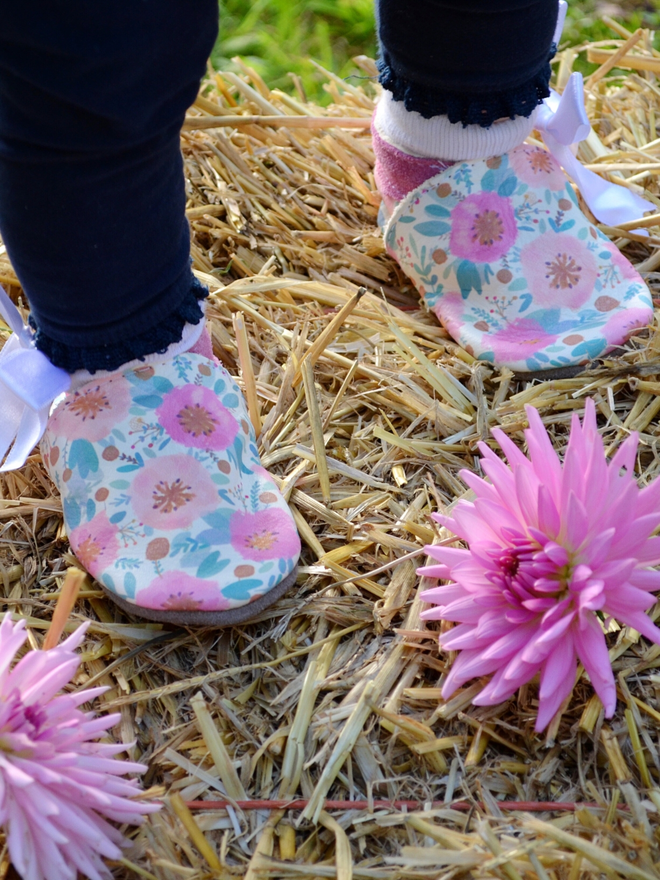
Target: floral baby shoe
<point>501,252</point>
<point>165,500</point>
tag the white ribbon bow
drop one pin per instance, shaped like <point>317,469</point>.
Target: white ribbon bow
<point>562,121</point>
<point>29,383</point>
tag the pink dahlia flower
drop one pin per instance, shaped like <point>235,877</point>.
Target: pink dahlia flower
<point>58,786</point>
<point>553,550</point>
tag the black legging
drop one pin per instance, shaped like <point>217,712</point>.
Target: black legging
<point>473,60</point>
<point>92,97</point>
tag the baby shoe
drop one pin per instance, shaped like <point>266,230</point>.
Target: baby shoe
<point>164,497</point>
<point>505,258</point>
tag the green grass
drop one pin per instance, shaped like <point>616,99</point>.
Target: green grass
<point>279,36</point>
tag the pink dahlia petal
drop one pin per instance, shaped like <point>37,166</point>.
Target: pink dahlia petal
<point>443,595</point>
<point>469,664</point>
<point>643,579</point>
<point>557,680</point>
<point>461,637</point>
<point>441,572</point>
<point>591,648</point>
<point>502,687</point>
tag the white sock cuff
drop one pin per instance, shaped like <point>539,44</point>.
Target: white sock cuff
<point>438,138</point>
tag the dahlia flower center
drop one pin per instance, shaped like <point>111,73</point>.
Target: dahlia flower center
<point>527,575</point>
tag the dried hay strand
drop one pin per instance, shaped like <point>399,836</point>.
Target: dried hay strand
<point>367,411</point>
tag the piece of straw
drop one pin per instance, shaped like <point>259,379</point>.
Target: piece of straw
<point>317,430</point>
<point>196,834</point>
<point>321,342</point>
<point>612,59</point>
<point>73,581</point>
<point>248,373</point>
<point>216,747</point>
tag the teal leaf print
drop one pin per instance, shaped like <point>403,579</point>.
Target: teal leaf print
<point>230,401</point>
<point>489,181</point>
<point>518,284</point>
<point>212,565</point>
<point>148,401</point>
<point>467,276</point>
<point>508,187</point>
<point>72,513</point>
<point>432,228</point>
<point>129,585</point>
<point>526,300</point>
<point>407,219</point>
<point>90,509</point>
<point>219,520</point>
<point>437,211</point>
<point>241,589</point>
<point>83,456</point>
<point>162,385</point>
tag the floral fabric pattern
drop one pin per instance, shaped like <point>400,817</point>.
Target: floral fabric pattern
<point>165,500</point>
<point>501,252</point>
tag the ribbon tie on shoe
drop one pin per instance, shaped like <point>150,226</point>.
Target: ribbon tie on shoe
<point>29,383</point>
<point>562,121</point>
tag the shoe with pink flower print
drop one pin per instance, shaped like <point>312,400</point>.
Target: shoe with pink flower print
<point>165,501</point>
<point>505,258</point>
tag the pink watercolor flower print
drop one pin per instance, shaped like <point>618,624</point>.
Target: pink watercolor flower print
<point>624,322</point>
<point>193,416</point>
<point>178,591</point>
<point>536,167</point>
<point>519,340</point>
<point>91,412</point>
<point>483,227</point>
<point>560,270</point>
<point>626,269</point>
<point>96,544</point>
<point>267,534</point>
<point>172,491</point>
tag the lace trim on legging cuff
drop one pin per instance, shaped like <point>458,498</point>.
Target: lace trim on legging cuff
<point>481,110</point>
<point>110,357</point>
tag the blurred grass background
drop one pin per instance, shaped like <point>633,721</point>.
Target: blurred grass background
<point>277,37</point>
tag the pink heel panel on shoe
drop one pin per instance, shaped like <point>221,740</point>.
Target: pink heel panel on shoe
<point>396,173</point>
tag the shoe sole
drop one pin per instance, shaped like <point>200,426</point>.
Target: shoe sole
<point>559,373</point>
<point>242,614</point>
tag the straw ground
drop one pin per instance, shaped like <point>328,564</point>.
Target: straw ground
<point>366,412</point>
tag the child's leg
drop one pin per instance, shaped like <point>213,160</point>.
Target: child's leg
<point>164,498</point>
<point>92,98</point>
<point>488,228</point>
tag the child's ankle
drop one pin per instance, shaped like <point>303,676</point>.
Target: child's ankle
<point>410,149</point>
